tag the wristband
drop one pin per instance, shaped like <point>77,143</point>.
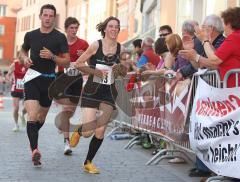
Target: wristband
<point>205,42</point>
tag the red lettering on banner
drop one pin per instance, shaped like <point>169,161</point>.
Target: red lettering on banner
<point>222,108</point>
<point>231,97</point>
<point>230,107</point>
<point>217,108</point>
<point>198,106</point>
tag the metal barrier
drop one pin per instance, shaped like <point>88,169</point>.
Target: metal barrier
<point>234,72</point>
<point>212,77</point>
<point>126,109</point>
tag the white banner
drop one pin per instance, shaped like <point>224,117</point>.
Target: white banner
<point>215,128</point>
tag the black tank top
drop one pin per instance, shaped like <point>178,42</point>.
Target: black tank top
<point>100,58</point>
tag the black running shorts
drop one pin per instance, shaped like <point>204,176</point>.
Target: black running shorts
<point>37,89</point>
<point>17,94</point>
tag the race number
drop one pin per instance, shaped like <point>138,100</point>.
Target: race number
<point>19,84</point>
<point>109,79</point>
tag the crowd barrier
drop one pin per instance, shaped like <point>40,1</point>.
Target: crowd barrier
<point>161,107</point>
<point>159,96</point>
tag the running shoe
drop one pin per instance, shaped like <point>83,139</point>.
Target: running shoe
<point>67,149</point>
<point>23,120</point>
<point>36,156</point>
<point>16,128</point>
<point>91,168</point>
<point>74,140</point>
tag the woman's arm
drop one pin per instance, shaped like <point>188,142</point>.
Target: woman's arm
<point>154,72</point>
<point>10,72</point>
<point>82,60</point>
<point>169,61</point>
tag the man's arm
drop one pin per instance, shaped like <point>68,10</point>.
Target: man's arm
<point>24,59</point>
<point>62,60</point>
<point>199,61</point>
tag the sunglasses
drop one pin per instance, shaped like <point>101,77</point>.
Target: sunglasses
<point>163,34</point>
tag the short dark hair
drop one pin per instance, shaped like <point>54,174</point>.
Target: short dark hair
<point>160,46</point>
<point>137,43</point>
<point>232,16</point>
<point>48,6</point>
<point>166,27</point>
<point>69,21</point>
<point>102,25</point>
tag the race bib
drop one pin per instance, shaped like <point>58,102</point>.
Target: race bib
<point>30,74</point>
<point>109,79</point>
<point>19,84</point>
<point>71,71</point>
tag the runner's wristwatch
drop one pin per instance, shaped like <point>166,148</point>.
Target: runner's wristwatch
<point>53,57</point>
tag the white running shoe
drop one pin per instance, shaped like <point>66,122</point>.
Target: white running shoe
<point>23,120</point>
<point>67,149</point>
<point>16,128</point>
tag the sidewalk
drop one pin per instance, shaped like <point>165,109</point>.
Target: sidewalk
<point>115,163</point>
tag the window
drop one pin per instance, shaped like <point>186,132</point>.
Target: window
<point>18,25</point>
<point>123,16</point>
<point>215,6</point>
<point>28,22</point>
<point>3,10</point>
<point>184,12</point>
<point>33,21</point>
<point>2,29</point>
<point>152,20</point>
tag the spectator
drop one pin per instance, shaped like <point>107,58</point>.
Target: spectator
<point>214,28</point>
<point>125,59</point>
<point>188,33</point>
<point>148,55</point>
<point>165,30</point>
<point>161,49</point>
<point>137,48</point>
<point>227,56</point>
<point>172,59</point>
<point>174,45</point>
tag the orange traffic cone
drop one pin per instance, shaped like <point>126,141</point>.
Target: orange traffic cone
<point>1,102</point>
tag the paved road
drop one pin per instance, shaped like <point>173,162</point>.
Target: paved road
<point>116,164</point>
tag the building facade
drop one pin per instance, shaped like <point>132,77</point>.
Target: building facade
<point>139,18</point>
<point>8,13</point>
<point>28,18</point>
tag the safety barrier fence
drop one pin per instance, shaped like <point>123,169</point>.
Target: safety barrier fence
<point>161,106</point>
